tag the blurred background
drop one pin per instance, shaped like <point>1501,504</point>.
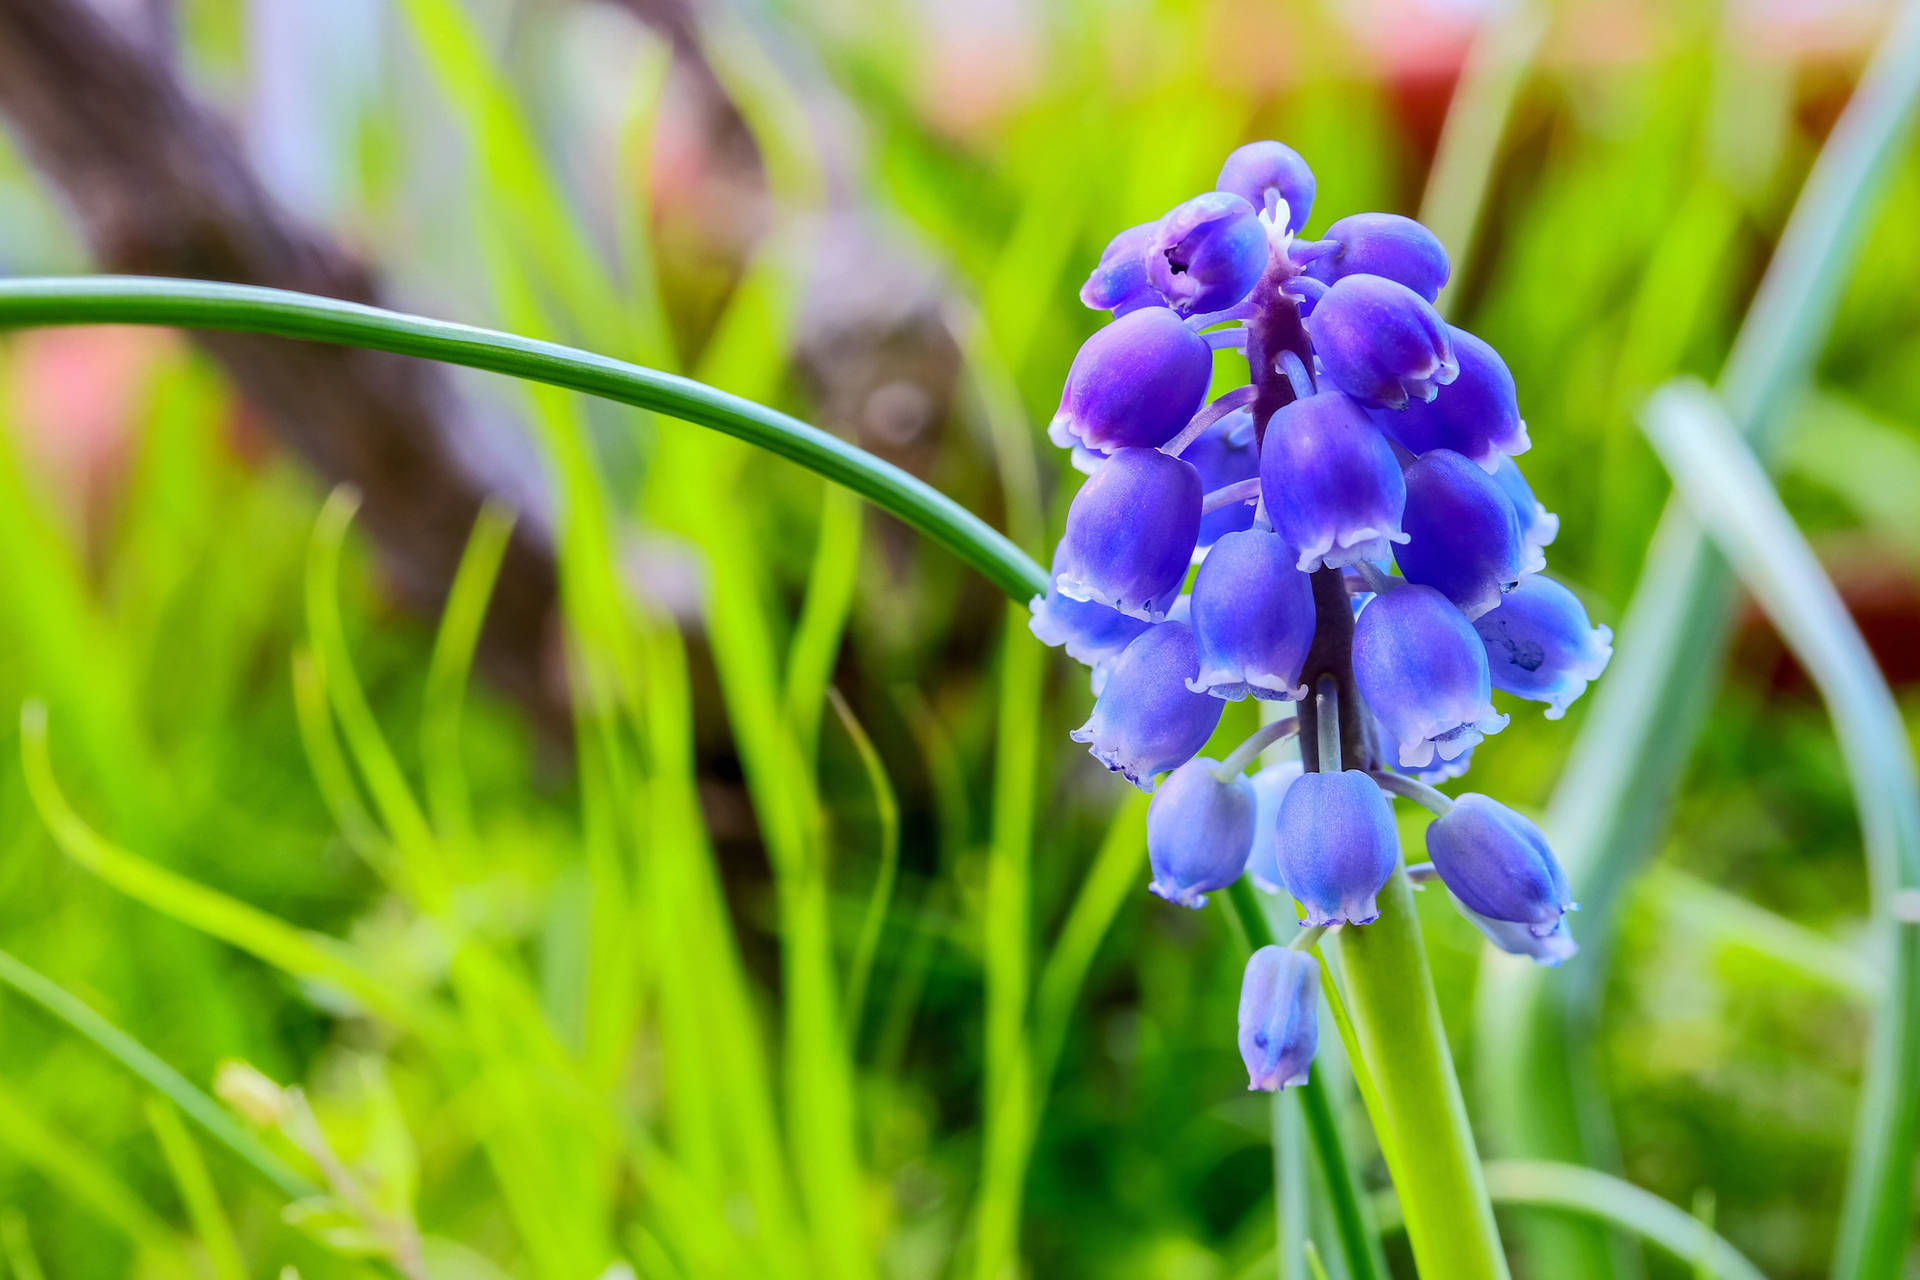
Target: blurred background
<point>751,910</point>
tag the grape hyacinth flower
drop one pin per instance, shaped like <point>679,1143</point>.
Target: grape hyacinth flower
<point>1377,244</point>
<point>1268,175</point>
<point>1476,415</point>
<point>1207,253</point>
<point>1252,619</point>
<point>1371,439</point>
<point>1279,1017</point>
<point>1463,537</point>
<point>1498,864</point>
<point>1380,342</point>
<point>1135,383</point>
<point>1423,671</point>
<point>1541,646</point>
<point>1200,829</point>
<point>1130,533</point>
<point>1336,846</point>
<point>1332,486</point>
<point>1146,721</point>
<point>1119,283</point>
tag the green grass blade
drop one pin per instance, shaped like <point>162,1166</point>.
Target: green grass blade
<point>831,584</point>
<point>195,304</point>
<point>1547,1184</point>
<point>16,1246</point>
<point>90,1183</point>
<point>170,1084</point>
<point>1723,482</point>
<point>197,1191</point>
<point>447,670</point>
<point>887,813</point>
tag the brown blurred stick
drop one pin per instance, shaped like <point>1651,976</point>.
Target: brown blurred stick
<point>160,187</point>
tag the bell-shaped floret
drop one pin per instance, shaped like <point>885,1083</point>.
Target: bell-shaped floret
<point>1225,454</point>
<point>1267,175</point>
<point>1541,645</point>
<point>1336,846</point>
<point>1207,253</point>
<point>1199,832</point>
<point>1119,284</point>
<point>1380,342</point>
<point>1134,383</point>
<point>1252,618</point>
<point>1498,864</point>
<point>1090,633</point>
<point>1130,533</point>
<point>1279,1017</point>
<point>1463,539</point>
<point>1423,672</point>
<point>1518,940</point>
<point>1376,244</point>
<point>1476,415</point>
<point>1333,488</point>
<point>1145,719</point>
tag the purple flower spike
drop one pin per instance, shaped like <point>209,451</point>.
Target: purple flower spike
<point>1279,1017</point>
<point>1334,489</point>
<point>1090,633</point>
<point>1381,342</point>
<point>1476,415</point>
<point>1207,253</point>
<point>1252,618</point>
<point>1269,789</point>
<point>1119,284</point>
<point>1498,864</point>
<point>1134,383</point>
<point>1336,846</point>
<point>1130,533</point>
<point>1267,175</point>
<point>1145,720</point>
<point>1423,672</point>
<point>1199,832</point>
<point>1541,645</point>
<point>1377,244</point>
<point>1538,526</point>
<point>1225,454</point>
<point>1518,940</point>
<point>1462,535</point>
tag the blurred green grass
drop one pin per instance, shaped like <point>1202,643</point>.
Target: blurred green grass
<point>621,1026</point>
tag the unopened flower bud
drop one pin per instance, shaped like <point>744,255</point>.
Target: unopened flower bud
<point>1337,846</point>
<point>1199,832</point>
<point>1497,863</point>
<point>1279,1017</point>
<point>1267,175</point>
<point>1377,244</point>
<point>1119,284</point>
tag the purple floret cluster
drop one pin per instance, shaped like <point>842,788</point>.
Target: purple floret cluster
<point>1352,519</point>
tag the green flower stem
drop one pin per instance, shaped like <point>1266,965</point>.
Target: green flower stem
<point>1435,1168</point>
<point>199,304</point>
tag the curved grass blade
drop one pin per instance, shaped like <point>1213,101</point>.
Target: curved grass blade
<point>1722,481</point>
<point>199,304</point>
<point>144,1063</point>
<point>887,814</point>
<point>197,1192</point>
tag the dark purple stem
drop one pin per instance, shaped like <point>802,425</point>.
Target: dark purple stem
<point>1273,328</point>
